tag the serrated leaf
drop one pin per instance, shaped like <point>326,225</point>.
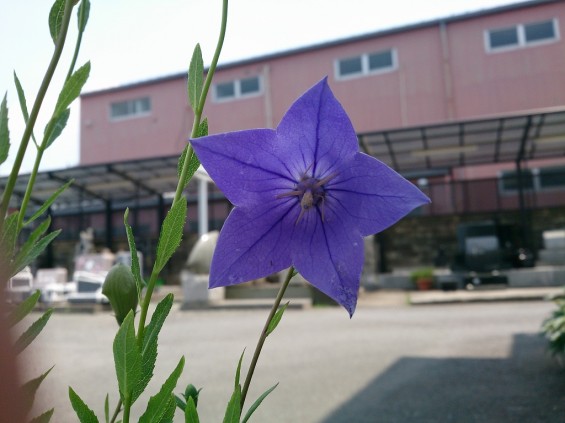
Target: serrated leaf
<point>169,414</point>
<point>195,77</point>
<point>4,131</point>
<point>233,411</point>
<point>84,413</point>
<point>48,202</point>
<point>107,408</point>
<point>56,127</point>
<point>159,404</point>
<point>193,165</point>
<point>43,418</point>
<point>257,403</point>
<point>56,19</point>
<point>8,236</point>
<point>30,388</point>
<point>171,234</point>
<point>31,333</point>
<point>23,103</point>
<point>127,359</point>
<point>23,308</point>
<point>276,319</point>
<point>71,90</point>
<point>190,413</point>
<point>202,128</point>
<point>149,347</point>
<point>82,14</point>
<point>238,370</point>
<point>135,269</point>
<point>31,250</point>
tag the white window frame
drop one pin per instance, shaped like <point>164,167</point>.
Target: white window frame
<point>522,43</point>
<point>365,71</point>
<point>237,90</point>
<point>131,115</point>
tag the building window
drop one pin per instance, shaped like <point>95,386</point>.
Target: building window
<point>552,177</point>
<point>540,31</point>
<point>366,64</point>
<point>521,35</point>
<point>509,182</point>
<point>130,108</point>
<point>239,88</point>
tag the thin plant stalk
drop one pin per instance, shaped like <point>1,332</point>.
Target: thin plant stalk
<point>35,111</point>
<point>180,186</point>
<point>202,100</point>
<point>264,334</point>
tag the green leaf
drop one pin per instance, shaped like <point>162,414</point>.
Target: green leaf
<point>238,370</point>
<point>195,77</point>
<point>48,203</point>
<point>202,128</point>
<point>8,236</point>
<point>276,319</point>
<point>33,247</point>
<point>107,408</point>
<point>85,414</point>
<point>149,348</point>
<point>233,411</point>
<point>23,308</point>
<point>56,19</point>
<point>135,269</point>
<point>43,418</point>
<point>56,126</point>
<point>190,413</point>
<point>82,14</point>
<point>71,90</point>
<point>23,104</point>
<point>127,359</point>
<point>257,403</point>
<point>4,131</point>
<point>171,234</point>
<point>31,333</point>
<point>30,388</point>
<point>159,404</point>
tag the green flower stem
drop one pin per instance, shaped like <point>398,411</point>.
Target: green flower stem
<point>264,335</point>
<point>202,100</point>
<point>35,111</point>
<point>145,306</point>
<point>77,45</point>
<point>29,187</point>
<point>116,411</point>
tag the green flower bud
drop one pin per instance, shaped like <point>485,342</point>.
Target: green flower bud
<point>192,392</point>
<point>121,290</point>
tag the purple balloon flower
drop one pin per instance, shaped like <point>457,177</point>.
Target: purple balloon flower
<point>304,196</point>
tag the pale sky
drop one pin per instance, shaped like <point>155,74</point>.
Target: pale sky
<point>132,40</point>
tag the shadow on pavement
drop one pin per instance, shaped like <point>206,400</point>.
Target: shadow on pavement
<point>526,387</point>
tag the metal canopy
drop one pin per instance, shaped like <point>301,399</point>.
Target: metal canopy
<point>436,149</point>
<point>414,152</point>
<point>97,186</point>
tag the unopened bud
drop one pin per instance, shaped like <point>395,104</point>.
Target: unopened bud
<point>192,392</point>
<point>120,288</point>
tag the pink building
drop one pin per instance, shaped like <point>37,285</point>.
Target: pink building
<point>470,107</point>
<point>488,64</point>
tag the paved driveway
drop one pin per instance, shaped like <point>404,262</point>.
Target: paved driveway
<point>442,363</point>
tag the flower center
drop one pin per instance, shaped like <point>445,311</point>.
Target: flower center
<point>311,193</point>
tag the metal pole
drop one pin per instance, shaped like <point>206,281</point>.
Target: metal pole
<point>202,207</point>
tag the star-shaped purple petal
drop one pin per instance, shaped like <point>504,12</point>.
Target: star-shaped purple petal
<point>304,196</point>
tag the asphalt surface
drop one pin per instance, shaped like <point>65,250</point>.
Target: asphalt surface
<point>473,362</point>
